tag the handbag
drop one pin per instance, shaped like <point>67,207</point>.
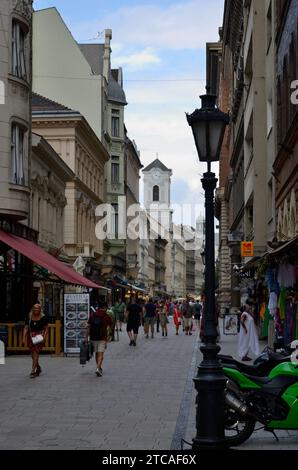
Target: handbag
<point>37,339</point>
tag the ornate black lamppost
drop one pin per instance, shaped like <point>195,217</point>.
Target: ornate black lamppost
<point>208,127</point>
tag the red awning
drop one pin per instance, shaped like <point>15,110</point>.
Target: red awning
<point>44,259</point>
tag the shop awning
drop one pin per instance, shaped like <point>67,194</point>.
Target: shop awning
<point>291,244</point>
<point>137,289</point>
<point>44,259</point>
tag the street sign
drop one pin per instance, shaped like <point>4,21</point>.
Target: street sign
<point>247,249</point>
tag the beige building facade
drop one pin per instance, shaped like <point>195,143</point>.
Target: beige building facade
<point>75,142</point>
<point>49,177</point>
<point>15,117</point>
<point>175,261</point>
<point>133,166</point>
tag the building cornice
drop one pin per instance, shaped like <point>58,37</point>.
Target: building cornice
<point>71,120</point>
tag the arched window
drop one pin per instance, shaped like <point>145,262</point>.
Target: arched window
<point>155,193</point>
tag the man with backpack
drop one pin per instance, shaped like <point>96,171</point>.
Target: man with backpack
<point>98,324</point>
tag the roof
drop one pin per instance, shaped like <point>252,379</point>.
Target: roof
<point>115,91</point>
<point>156,164</point>
<point>115,74</point>
<point>41,103</point>
<point>51,157</point>
<point>94,55</point>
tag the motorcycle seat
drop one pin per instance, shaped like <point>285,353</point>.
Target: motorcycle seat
<point>245,368</point>
<point>278,357</point>
<point>258,380</point>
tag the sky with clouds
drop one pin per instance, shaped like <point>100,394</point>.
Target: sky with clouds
<point>161,46</point>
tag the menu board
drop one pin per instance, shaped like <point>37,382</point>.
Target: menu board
<point>76,314</point>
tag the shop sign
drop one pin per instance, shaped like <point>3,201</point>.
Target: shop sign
<point>247,249</point>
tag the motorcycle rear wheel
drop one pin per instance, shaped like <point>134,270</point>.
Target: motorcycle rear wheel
<point>238,427</point>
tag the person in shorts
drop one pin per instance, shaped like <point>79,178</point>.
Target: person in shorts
<point>134,318</point>
<point>97,331</point>
<point>150,313</point>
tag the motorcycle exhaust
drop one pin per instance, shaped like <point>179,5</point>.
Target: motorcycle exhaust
<point>236,404</point>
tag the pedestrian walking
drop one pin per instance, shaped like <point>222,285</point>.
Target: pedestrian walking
<point>97,332</point>
<point>157,316</point>
<point>187,312</point>
<point>197,307</point>
<point>149,312</point>
<point>35,334</point>
<point>248,338</point>
<point>133,316</point>
<point>163,316</point>
<point>119,310</point>
<point>177,317</point>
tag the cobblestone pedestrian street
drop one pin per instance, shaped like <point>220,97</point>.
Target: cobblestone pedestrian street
<point>145,399</point>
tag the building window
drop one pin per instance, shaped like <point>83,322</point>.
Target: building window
<point>115,126</point>
<point>17,154</point>
<point>115,122</point>
<point>115,220</point>
<point>155,193</point>
<point>18,59</point>
<point>115,173</point>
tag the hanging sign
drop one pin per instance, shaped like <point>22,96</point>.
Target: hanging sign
<point>247,249</point>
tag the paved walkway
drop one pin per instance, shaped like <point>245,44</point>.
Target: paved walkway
<point>145,399</point>
<point>134,405</point>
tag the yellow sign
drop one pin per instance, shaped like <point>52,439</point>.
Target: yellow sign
<point>247,249</point>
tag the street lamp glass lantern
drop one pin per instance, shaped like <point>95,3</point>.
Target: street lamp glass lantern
<point>208,127</point>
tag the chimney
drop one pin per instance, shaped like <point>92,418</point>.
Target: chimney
<point>107,54</point>
<point>120,76</point>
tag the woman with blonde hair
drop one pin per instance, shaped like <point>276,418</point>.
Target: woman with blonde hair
<point>35,333</point>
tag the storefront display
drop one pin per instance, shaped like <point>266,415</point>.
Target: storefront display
<point>76,314</point>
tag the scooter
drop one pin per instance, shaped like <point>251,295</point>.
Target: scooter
<point>271,401</point>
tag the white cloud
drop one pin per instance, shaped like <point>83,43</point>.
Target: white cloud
<point>138,60</point>
<point>184,25</point>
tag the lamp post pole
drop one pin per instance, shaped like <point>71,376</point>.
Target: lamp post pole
<point>208,126</point>
<point>210,381</point>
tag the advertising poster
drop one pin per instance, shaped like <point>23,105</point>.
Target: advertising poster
<point>230,324</point>
<point>76,313</point>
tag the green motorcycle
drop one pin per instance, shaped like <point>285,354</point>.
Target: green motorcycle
<point>271,401</point>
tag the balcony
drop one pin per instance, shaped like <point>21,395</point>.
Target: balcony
<point>86,250</point>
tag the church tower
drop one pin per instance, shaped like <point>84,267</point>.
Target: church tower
<point>157,186</point>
